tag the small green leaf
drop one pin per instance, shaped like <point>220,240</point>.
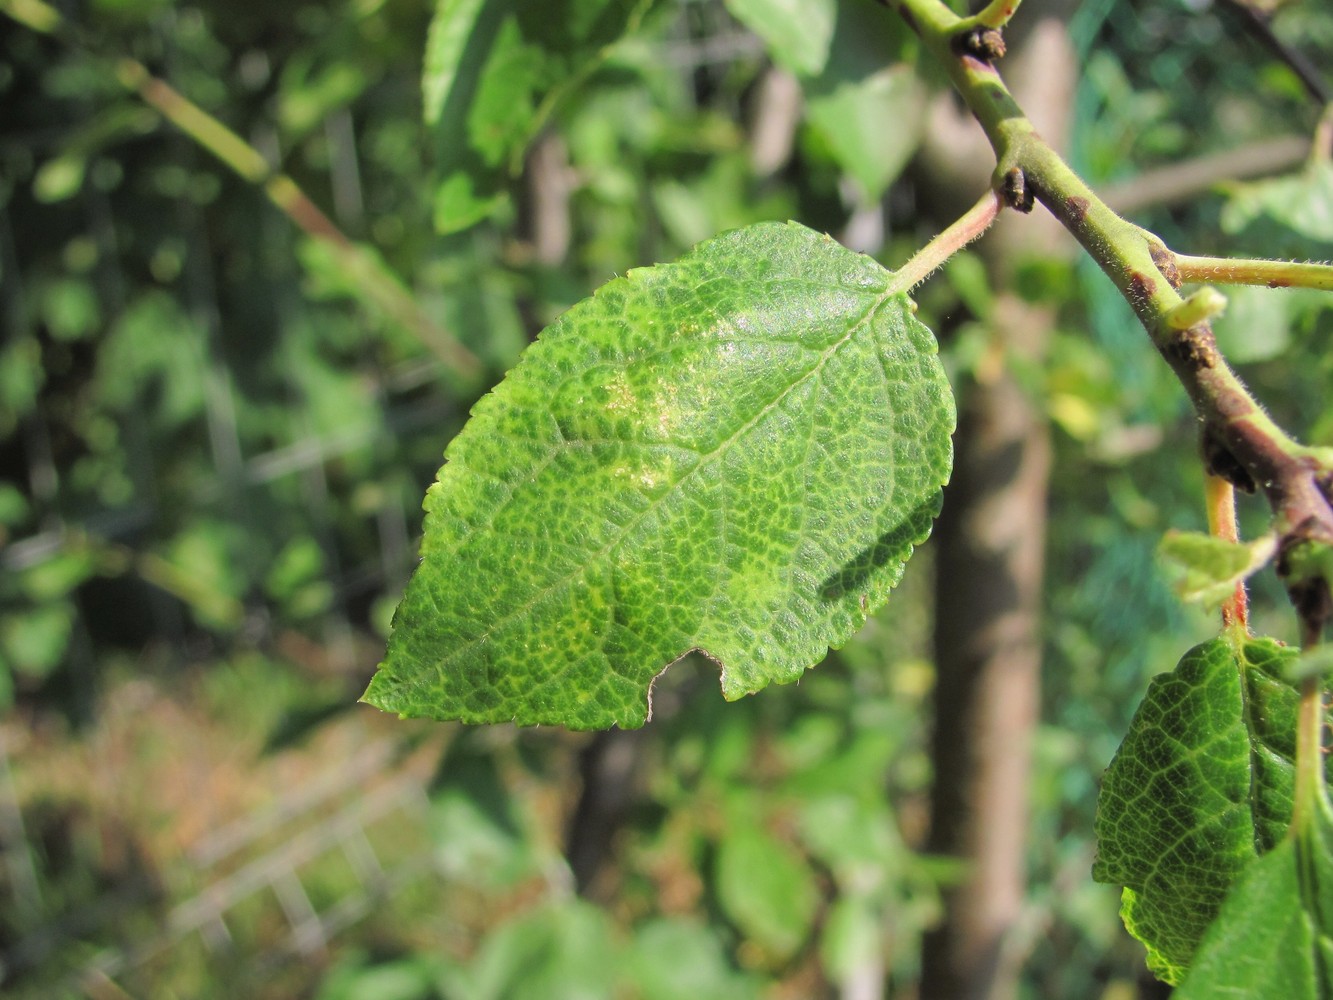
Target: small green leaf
<point>797,32</point>
<point>561,951</point>
<point>59,179</point>
<point>1316,662</point>
<point>446,43</point>
<point>1206,568</point>
<point>734,453</point>
<point>1202,784</point>
<point>674,958</point>
<point>852,937</point>
<point>70,308</point>
<point>493,73</point>
<point>34,642</point>
<point>766,889</point>
<point>852,116</point>
<point>1288,216</point>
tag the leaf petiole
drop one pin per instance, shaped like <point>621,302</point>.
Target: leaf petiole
<point>1268,273</point>
<point>1310,788</point>
<point>968,227</point>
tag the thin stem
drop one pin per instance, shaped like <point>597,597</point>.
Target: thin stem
<point>997,13</point>
<point>1220,498</point>
<point>1309,783</point>
<point>1269,273</point>
<point>975,221</point>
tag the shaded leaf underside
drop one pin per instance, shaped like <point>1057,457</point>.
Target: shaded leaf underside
<point>734,453</point>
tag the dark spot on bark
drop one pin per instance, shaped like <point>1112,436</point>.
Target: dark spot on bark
<point>1219,460</point>
<point>1279,283</point>
<point>1015,191</point>
<point>1166,263</point>
<point>1192,349</point>
<point>1141,287</point>
<point>1076,207</point>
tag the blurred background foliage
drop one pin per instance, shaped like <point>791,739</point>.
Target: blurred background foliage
<point>214,442</point>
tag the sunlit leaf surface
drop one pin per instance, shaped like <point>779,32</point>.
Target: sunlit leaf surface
<point>734,453</point>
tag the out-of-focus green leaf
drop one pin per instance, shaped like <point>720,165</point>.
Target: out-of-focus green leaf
<point>21,378</point>
<point>871,126</point>
<point>14,506</point>
<point>1261,323</point>
<point>298,579</point>
<point>476,826</point>
<point>851,939</point>
<point>446,44</point>
<point>735,453</point>
<point>1316,662</point>
<point>678,959</point>
<point>59,179</point>
<point>767,889</point>
<point>309,93</point>
<point>202,566</point>
<point>715,200</point>
<point>70,308</point>
<point>494,72</point>
<point>1289,216</point>
<point>34,640</point>
<point>55,577</point>
<point>562,951</point>
<point>153,347</point>
<point>797,32</point>
<point>411,978</point>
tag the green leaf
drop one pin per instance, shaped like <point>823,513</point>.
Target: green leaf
<point>446,43</point>
<point>852,938</point>
<point>734,453</point>
<point>1200,786</point>
<point>767,889</point>
<point>1273,939</point>
<point>1288,216</point>
<point>562,951</point>
<point>1261,945</point>
<point>866,108</point>
<point>153,347</point>
<point>400,979</point>
<point>70,308</point>
<point>494,71</point>
<point>34,642</point>
<point>871,126</point>
<point>1206,568</point>
<point>674,958</point>
<point>797,32</point>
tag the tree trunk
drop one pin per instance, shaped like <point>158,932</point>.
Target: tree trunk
<point>989,546</point>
